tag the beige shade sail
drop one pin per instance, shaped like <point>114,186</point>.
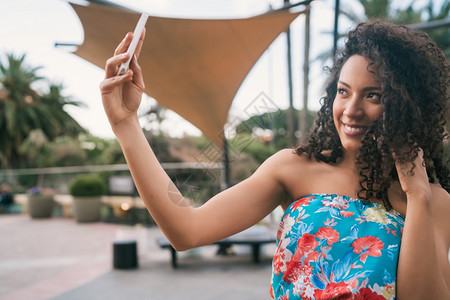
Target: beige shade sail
<point>191,66</point>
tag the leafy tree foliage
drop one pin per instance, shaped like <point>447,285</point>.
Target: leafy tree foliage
<point>409,15</point>
<point>23,110</point>
<point>275,125</point>
<point>440,35</point>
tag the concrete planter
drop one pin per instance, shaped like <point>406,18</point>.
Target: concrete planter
<point>86,209</point>
<point>40,206</point>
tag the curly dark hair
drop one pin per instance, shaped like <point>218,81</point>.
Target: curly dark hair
<point>414,77</point>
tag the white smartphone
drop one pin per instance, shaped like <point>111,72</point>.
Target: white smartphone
<point>136,35</point>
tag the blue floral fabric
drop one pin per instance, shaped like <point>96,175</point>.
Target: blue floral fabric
<point>336,247</point>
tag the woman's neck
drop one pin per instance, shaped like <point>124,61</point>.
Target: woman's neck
<point>349,160</point>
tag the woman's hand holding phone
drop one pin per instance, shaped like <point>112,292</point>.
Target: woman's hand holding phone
<point>121,94</point>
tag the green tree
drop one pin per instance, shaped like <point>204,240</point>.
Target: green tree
<point>110,154</point>
<point>409,15</point>
<point>53,102</point>
<point>440,35</point>
<point>24,109</point>
<point>276,122</point>
<point>382,9</point>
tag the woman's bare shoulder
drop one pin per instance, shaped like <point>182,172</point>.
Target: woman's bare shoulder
<point>281,166</point>
<point>287,156</point>
<point>290,170</point>
<point>284,162</point>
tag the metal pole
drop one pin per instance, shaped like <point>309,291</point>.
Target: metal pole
<point>288,5</point>
<point>290,113</point>
<point>304,112</point>
<point>431,24</point>
<point>226,164</point>
<point>335,31</point>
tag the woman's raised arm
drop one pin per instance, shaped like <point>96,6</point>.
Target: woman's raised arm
<point>227,213</point>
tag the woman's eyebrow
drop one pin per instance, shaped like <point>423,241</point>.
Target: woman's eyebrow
<point>369,88</point>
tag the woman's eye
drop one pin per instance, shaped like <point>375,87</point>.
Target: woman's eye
<point>342,91</point>
<point>374,96</point>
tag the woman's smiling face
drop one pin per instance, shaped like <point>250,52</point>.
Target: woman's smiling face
<point>358,101</point>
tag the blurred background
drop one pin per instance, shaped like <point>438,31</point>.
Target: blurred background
<point>66,191</point>
<point>52,125</point>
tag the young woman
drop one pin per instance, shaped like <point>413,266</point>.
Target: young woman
<point>366,198</point>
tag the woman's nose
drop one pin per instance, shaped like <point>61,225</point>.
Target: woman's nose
<point>354,108</point>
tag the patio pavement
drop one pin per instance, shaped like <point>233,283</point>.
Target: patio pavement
<point>58,258</point>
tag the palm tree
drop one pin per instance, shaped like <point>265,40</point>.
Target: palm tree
<point>440,35</point>
<point>53,103</point>
<point>23,109</point>
<point>17,98</point>
<point>383,9</point>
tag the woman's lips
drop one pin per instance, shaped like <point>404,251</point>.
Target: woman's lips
<point>353,130</point>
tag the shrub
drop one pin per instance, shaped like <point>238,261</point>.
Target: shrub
<point>87,185</point>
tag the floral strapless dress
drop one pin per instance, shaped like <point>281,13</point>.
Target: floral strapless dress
<point>336,247</point>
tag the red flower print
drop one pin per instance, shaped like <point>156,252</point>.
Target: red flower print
<point>285,297</point>
<point>279,262</point>
<point>334,290</point>
<point>329,222</point>
<point>347,214</point>
<point>312,256</point>
<point>307,243</point>
<point>329,234</point>
<point>297,271</point>
<point>293,271</point>
<point>368,294</point>
<point>388,288</point>
<point>305,246</point>
<point>302,215</point>
<point>280,230</point>
<point>367,246</point>
<point>389,230</point>
<point>301,202</point>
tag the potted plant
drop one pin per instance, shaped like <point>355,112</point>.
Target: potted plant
<point>40,203</point>
<point>87,191</point>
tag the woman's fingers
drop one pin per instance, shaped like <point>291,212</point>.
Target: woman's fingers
<point>137,73</point>
<point>109,84</point>
<point>121,56</point>
<point>125,43</point>
<point>112,64</point>
<point>123,46</point>
<point>134,73</point>
<point>140,43</point>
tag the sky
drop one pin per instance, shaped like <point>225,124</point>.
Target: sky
<point>32,27</point>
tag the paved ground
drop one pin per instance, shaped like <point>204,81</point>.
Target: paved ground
<point>58,258</point>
